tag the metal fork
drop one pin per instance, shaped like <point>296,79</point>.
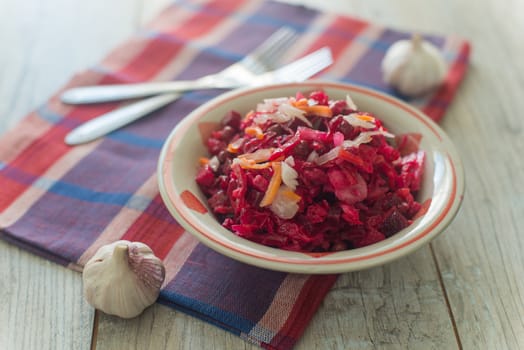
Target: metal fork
<point>299,70</point>
<point>262,59</point>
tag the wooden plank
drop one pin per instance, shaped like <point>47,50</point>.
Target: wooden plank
<point>481,259</point>
<point>43,45</point>
<point>41,306</point>
<point>480,256</point>
<point>160,327</point>
<point>396,306</point>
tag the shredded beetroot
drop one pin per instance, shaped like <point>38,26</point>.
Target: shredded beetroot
<point>331,181</point>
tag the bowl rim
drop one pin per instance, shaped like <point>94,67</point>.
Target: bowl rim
<point>301,262</point>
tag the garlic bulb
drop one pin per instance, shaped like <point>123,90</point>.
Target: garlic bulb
<point>413,67</point>
<point>123,278</point>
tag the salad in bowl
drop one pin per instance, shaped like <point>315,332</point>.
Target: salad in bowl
<point>313,177</point>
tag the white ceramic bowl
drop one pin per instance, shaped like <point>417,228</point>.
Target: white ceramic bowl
<point>442,185</point>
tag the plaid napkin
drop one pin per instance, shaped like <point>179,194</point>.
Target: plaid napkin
<point>64,202</point>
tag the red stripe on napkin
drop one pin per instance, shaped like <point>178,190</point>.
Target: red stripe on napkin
<point>154,227</point>
<point>439,103</point>
<point>339,34</point>
<point>310,298</point>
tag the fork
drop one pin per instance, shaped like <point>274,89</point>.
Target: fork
<point>299,70</point>
<point>262,59</point>
<point>296,71</point>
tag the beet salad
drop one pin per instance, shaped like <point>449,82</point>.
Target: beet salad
<point>307,173</point>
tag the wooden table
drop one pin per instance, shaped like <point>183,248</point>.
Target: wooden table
<point>464,290</point>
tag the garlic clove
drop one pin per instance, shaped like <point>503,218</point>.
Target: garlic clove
<point>123,278</point>
<point>413,67</point>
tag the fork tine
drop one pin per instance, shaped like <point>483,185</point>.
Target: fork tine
<point>277,39</point>
<point>267,55</point>
<point>271,54</point>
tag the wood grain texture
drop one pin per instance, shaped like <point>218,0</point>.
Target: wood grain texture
<point>43,43</point>
<point>160,327</point>
<point>41,305</point>
<point>481,255</point>
<point>397,306</point>
<point>482,259</point>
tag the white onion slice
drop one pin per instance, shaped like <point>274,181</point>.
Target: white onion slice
<point>357,122</point>
<point>312,157</point>
<point>283,206</point>
<point>350,103</point>
<point>214,163</point>
<point>289,176</point>
<point>365,137</point>
<point>290,160</point>
<point>328,156</point>
<point>294,112</point>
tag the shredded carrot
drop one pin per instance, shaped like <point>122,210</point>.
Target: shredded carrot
<point>259,156</point>
<point>232,149</point>
<point>320,110</point>
<point>292,196</point>
<point>234,146</point>
<point>249,115</point>
<point>203,160</point>
<point>273,186</point>
<point>350,157</point>
<point>255,166</point>
<point>365,117</point>
<point>250,164</point>
<point>254,131</point>
<point>300,103</point>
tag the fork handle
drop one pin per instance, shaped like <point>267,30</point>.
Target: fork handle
<point>116,119</point>
<point>117,92</point>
